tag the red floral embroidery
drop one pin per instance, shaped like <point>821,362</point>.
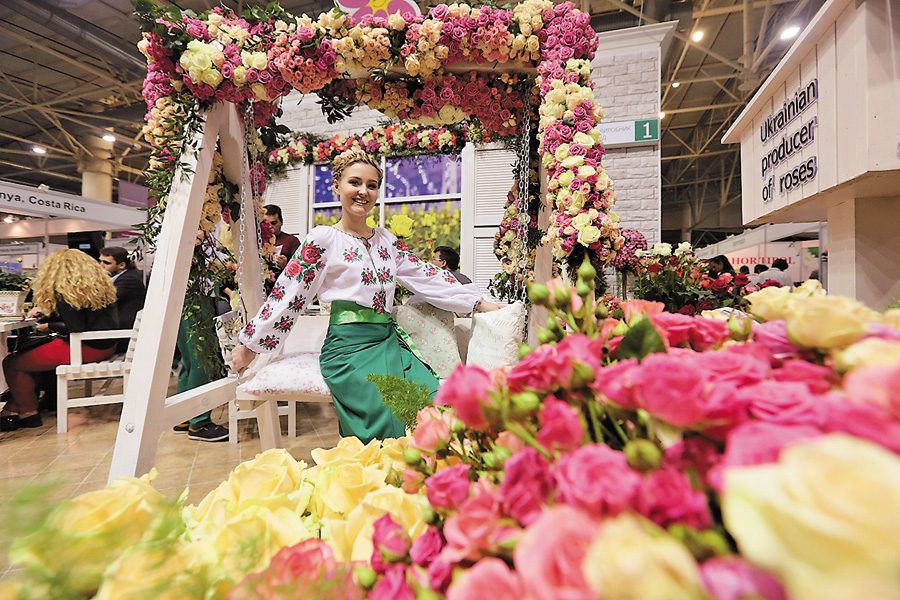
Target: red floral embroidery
<point>292,269</point>
<point>310,253</point>
<point>296,304</point>
<point>266,313</point>
<point>383,253</point>
<point>270,342</point>
<point>284,324</point>
<point>278,292</point>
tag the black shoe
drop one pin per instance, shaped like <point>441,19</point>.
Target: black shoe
<point>208,432</point>
<point>14,422</point>
<point>181,427</point>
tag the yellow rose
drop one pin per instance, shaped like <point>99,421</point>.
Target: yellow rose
<point>891,317</point>
<point>211,77</point>
<point>401,225</point>
<point>583,139</point>
<point>351,539</point>
<point>555,96</point>
<point>562,152</point>
<point>581,221</point>
<point>397,22</point>
<point>565,180</point>
<point>274,478</point>
<point>810,287</point>
<point>349,449</point>
<point>82,536</point>
<point>870,352</point>
<point>578,200</point>
<point>260,90</point>
<point>823,323</point>
<point>632,558</point>
<point>171,571</point>
<point>588,236</point>
<point>573,162</point>
<point>769,303</point>
<point>339,489</point>
<point>822,518</point>
<point>586,171</point>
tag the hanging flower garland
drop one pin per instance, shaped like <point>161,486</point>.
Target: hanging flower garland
<point>400,65</point>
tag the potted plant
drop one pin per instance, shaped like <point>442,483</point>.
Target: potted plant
<point>13,291</point>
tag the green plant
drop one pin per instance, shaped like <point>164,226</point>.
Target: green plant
<point>13,282</point>
<point>405,398</point>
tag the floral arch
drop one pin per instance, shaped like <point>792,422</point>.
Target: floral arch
<point>459,63</point>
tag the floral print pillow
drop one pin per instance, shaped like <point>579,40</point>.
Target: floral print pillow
<point>431,330</point>
<point>496,336</point>
<point>289,375</point>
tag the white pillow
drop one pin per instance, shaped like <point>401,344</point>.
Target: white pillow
<point>289,375</point>
<point>496,336</point>
<point>432,331</point>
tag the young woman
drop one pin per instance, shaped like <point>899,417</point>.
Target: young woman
<point>72,293</point>
<point>356,267</point>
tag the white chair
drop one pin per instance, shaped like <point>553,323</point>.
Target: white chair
<point>238,409</point>
<point>117,366</point>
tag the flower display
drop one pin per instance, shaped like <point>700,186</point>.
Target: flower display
<point>682,282</point>
<point>660,454</point>
<point>255,58</point>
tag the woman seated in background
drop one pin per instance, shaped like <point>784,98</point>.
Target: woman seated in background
<point>72,293</point>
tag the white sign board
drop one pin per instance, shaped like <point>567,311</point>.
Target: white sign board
<point>801,262</point>
<point>629,133</point>
<point>25,200</point>
<point>20,249</point>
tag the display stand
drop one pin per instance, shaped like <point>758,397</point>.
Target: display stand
<point>146,411</point>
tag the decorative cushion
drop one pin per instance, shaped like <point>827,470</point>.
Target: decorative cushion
<point>289,375</point>
<point>496,336</point>
<point>431,330</point>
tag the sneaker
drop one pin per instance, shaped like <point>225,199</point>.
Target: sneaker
<point>209,432</point>
<point>181,428</point>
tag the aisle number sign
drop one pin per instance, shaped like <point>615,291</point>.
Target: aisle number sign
<point>629,133</point>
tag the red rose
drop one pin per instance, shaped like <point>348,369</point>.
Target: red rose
<point>292,269</point>
<point>741,280</point>
<point>769,283</point>
<point>688,309</point>
<point>654,268</point>
<point>719,285</point>
<point>311,253</point>
<point>706,305</point>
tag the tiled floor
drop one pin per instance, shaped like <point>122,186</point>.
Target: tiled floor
<point>79,460</point>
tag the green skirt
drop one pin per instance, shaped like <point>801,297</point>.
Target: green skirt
<point>351,352</point>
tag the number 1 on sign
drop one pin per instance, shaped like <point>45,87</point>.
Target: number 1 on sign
<point>647,129</point>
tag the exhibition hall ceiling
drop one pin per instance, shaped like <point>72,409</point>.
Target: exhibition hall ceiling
<point>70,72</point>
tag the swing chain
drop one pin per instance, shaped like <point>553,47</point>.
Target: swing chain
<point>520,253</point>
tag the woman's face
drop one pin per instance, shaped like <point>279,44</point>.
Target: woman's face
<point>358,189</point>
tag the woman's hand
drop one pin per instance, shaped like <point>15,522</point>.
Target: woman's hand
<point>485,306</point>
<point>42,327</point>
<point>35,313</point>
<point>241,357</point>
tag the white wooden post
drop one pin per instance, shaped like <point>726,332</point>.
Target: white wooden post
<point>145,410</point>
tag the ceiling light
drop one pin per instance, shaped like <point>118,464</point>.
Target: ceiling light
<point>662,115</point>
<point>697,36</point>
<point>38,150</point>
<point>109,137</point>
<point>675,84</point>
<point>790,32</point>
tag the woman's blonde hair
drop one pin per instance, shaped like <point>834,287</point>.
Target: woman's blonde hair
<point>351,157</point>
<point>74,277</point>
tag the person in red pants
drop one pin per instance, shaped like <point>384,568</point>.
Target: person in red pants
<point>72,293</point>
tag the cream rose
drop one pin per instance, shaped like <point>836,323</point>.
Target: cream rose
<point>631,559</point>
<point>870,352</point>
<point>823,518</point>
<point>588,236</point>
<point>824,323</point>
<point>349,449</point>
<point>769,304</point>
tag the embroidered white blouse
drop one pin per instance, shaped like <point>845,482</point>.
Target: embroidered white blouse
<point>337,266</point>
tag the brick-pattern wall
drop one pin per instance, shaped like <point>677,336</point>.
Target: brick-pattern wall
<point>627,87</point>
<point>307,116</point>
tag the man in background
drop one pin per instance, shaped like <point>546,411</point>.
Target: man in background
<point>285,243</point>
<point>778,273</point>
<point>447,258</point>
<point>129,281</point>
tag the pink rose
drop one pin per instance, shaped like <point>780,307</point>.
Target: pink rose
<point>758,442</point>
<point>390,540</point>
<point>449,487</point>
<point>392,586</point>
<point>561,427</point>
<point>466,392</point>
<point>867,421</point>
<point>597,479</point>
<point>741,364</point>
<point>614,382</point>
<point>774,335</point>
<point>432,430</point>
<point>634,309</point>
<point>879,386</point>
<point>510,441</point>
<point>707,333</point>
<point>732,578</point>
<point>477,529</point>
<point>548,557</point>
<point>488,578</point>
<point>671,389</point>
<point>673,327</point>
<point>787,402</point>
<point>412,481</point>
<point>666,497</point>
<point>427,547</point>
<point>526,486</point>
<point>694,454</point>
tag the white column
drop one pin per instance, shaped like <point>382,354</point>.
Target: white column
<point>97,169</point>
